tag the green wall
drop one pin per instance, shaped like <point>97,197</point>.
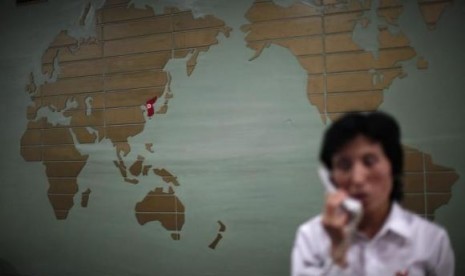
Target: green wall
<point>241,137</point>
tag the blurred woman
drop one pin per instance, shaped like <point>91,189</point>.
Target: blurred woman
<point>363,153</point>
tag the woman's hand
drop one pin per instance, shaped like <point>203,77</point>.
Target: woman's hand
<point>335,221</point>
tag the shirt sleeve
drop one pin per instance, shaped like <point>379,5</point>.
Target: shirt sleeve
<point>306,261</point>
<point>445,260</point>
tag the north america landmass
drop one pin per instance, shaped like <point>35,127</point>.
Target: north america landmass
<point>102,87</point>
<point>345,75</point>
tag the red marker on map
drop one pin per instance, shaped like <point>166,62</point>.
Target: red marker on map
<point>150,106</point>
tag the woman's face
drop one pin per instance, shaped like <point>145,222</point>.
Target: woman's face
<point>362,170</point>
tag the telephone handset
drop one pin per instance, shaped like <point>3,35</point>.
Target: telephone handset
<point>350,205</point>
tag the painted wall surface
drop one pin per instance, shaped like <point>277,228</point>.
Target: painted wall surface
<point>218,179</point>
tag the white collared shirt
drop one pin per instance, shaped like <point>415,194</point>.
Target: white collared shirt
<point>406,245</point>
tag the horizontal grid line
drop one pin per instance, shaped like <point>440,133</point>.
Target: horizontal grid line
<point>263,21</point>
<point>67,45</point>
<point>363,10</point>
<point>135,53</point>
<point>352,51</point>
<point>60,178</point>
<point>62,194</point>
<point>78,76</point>
<point>321,15</point>
<point>94,92</point>
<point>345,112</point>
<point>365,69</point>
<point>348,92</point>
<point>167,213</point>
<point>168,32</point>
<point>64,161</point>
<point>432,2</point>
<point>267,40</point>
<point>390,7</point>
<point>111,74</point>
<point>381,49</point>
<point>171,49</point>
<point>112,125</point>
<point>49,145</point>
<point>104,92</point>
<point>429,193</point>
<point>103,58</point>
<point>218,27</point>
<point>115,22</point>
<point>303,36</point>
<point>108,73</point>
<point>322,35</point>
<point>53,47</point>
<point>325,14</point>
<point>162,195</point>
<point>115,5</point>
<point>71,93</point>
<point>120,91</point>
<point>358,70</point>
<point>429,172</point>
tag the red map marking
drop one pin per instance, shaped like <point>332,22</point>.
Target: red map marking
<point>150,106</point>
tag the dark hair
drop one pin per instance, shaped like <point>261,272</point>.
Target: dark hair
<point>377,126</point>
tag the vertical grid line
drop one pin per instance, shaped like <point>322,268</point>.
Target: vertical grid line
<point>105,68</point>
<point>42,145</point>
<point>172,33</point>
<point>425,197</point>
<point>175,212</point>
<point>325,91</point>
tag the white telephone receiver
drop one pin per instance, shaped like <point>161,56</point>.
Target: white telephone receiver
<point>350,205</point>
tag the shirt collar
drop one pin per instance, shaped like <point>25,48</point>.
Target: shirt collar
<point>397,223</point>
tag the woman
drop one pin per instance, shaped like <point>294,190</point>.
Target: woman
<point>364,156</point>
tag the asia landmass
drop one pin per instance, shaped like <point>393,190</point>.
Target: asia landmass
<point>97,87</point>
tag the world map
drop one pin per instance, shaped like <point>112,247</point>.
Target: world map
<point>105,88</point>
